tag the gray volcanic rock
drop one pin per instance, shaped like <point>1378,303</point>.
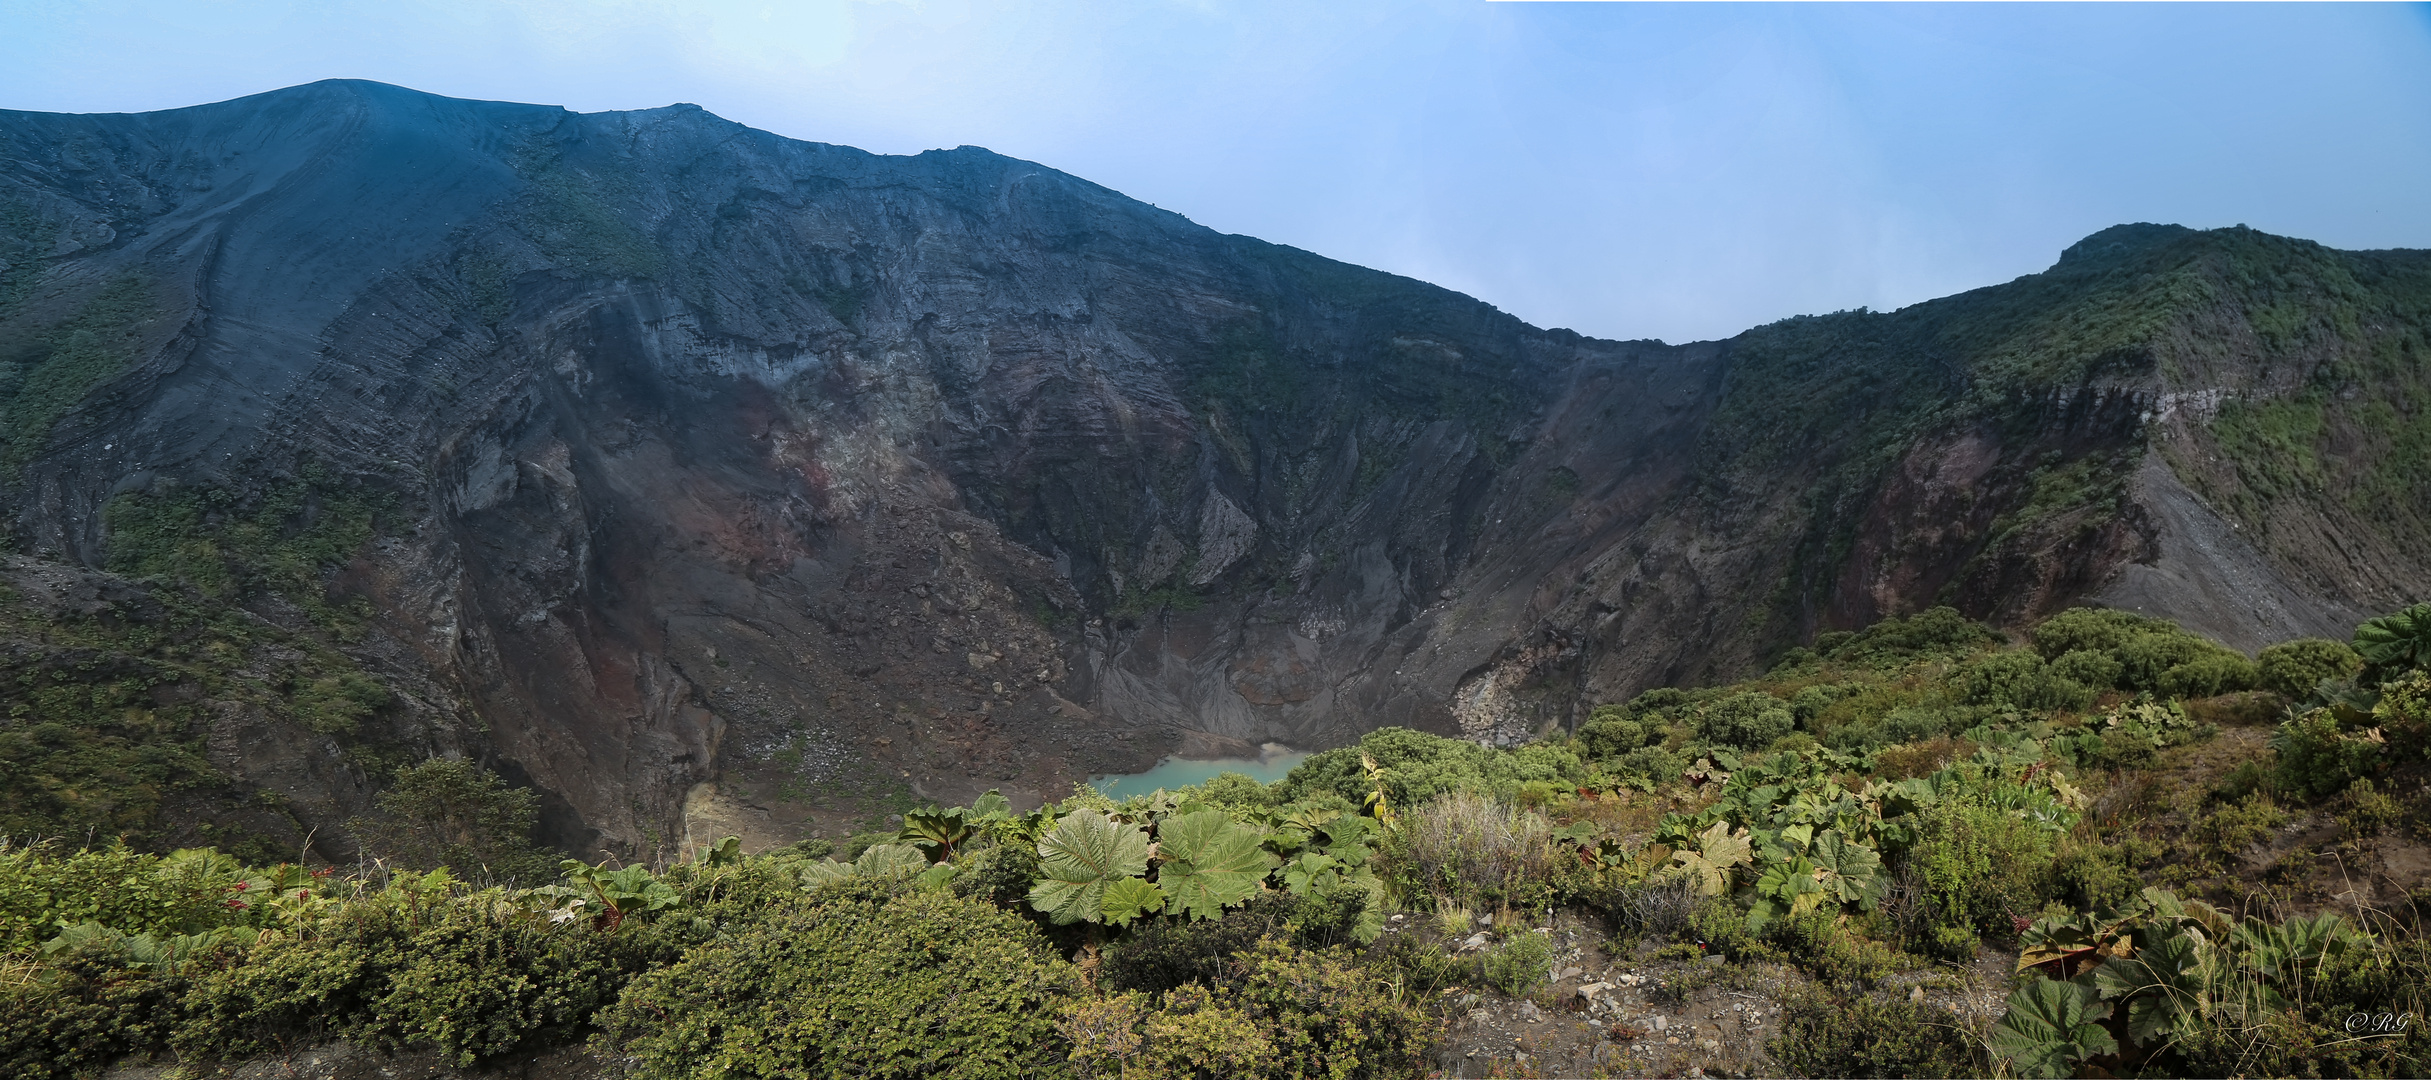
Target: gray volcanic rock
<point>742,472</point>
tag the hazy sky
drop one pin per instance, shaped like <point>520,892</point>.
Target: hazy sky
<point>1628,171</point>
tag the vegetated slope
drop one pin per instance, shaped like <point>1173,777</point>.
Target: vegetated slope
<point>696,474</point>
<point>1913,850</point>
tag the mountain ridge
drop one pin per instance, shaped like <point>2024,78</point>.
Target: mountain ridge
<point>727,475</point>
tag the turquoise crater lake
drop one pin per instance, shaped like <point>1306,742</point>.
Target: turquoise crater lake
<point>1271,765</point>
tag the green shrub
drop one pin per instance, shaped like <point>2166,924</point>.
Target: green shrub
<point>1000,874</point>
<point>1648,766</point>
<point>1830,949</point>
<point>2091,875</point>
<point>2317,758</point>
<point>2207,676</point>
<point>2096,630</point>
<point>2146,650</point>
<point>1518,965</point>
<point>1909,724</point>
<point>2020,679</point>
<point>1721,929</point>
<point>1823,1034</point>
<point>2092,668</point>
<point>2292,669</point>
<point>857,983</point>
<point>470,977</point>
<point>1420,767</point>
<point>1749,721</point>
<point>1810,701</point>
<point>2121,748</point>
<point>333,704</point>
<point>1979,867</point>
<point>77,1024</point>
<point>1608,738</point>
<point>458,815</point>
<point>2216,837</point>
<point>1279,1012</point>
<point>1939,631</point>
<point>124,890</point>
<point>1160,954</point>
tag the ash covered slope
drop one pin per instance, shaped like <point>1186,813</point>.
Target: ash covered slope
<point>725,469</point>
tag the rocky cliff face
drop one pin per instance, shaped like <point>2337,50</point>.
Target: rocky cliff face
<point>716,478</point>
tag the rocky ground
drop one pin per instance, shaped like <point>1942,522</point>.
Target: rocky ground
<point>1635,1015</point>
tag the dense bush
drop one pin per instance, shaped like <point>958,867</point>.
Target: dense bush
<point>2153,655</point>
<point>1163,954</point>
<point>2020,679</point>
<point>1610,734</point>
<point>474,978</point>
<point>83,1019</point>
<point>2318,757</point>
<point>1938,631</point>
<point>2292,669</point>
<point>188,892</point>
<point>2094,669</point>
<point>460,815</point>
<point>1748,721</point>
<point>1280,1012</point>
<point>1420,766</point>
<point>1979,868</point>
<point>1827,1035</point>
<point>856,982</point>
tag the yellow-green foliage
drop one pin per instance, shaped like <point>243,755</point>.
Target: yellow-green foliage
<point>470,976</point>
<point>856,982</point>
<point>42,888</point>
<point>1422,766</point>
<point>89,747</point>
<point>1980,868</point>
<point>1279,1012</point>
<point>2292,669</point>
<point>2154,655</point>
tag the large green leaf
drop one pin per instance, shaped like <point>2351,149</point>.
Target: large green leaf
<point>2165,982</point>
<point>2051,1027</point>
<point>1211,862</point>
<point>1718,850</point>
<point>1852,872</point>
<point>1080,857</point>
<point>936,832</point>
<point>2396,641</point>
<point>1309,872</point>
<point>1131,898</point>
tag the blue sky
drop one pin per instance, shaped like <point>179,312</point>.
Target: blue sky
<point>1628,171</point>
